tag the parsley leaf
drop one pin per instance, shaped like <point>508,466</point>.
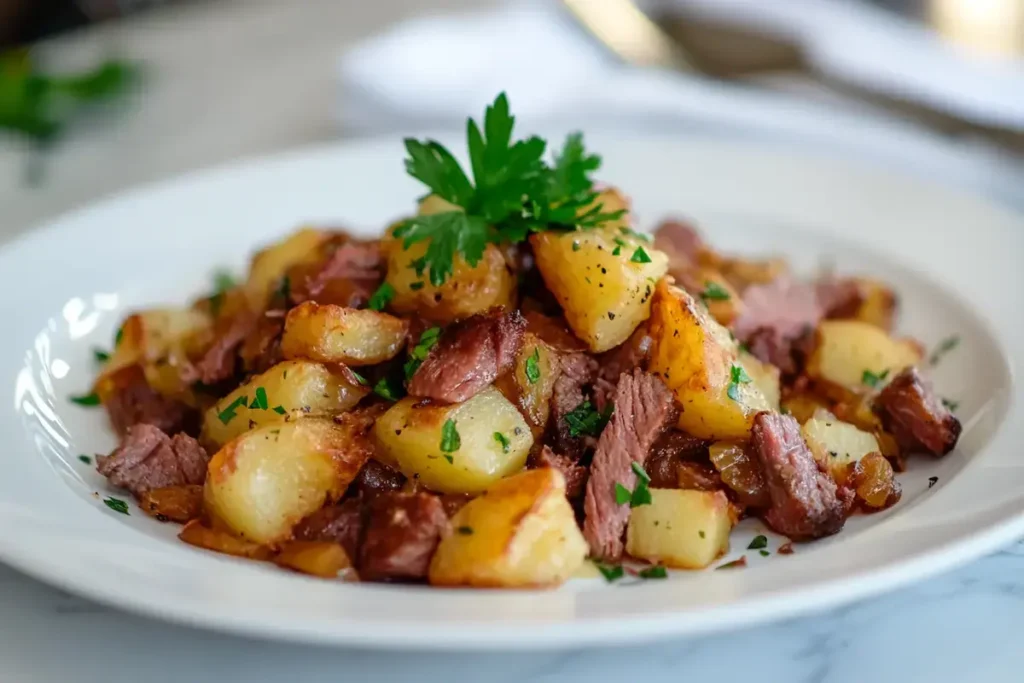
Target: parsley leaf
<point>944,347</point>
<point>872,380</point>
<point>279,410</point>
<point>223,281</point>
<point>100,355</point>
<point>737,376</point>
<point>760,541</point>
<point>585,420</point>
<point>87,400</point>
<point>228,414</point>
<point>640,495</point>
<point>464,530</point>
<point>261,399</point>
<point>503,440</point>
<point>449,232</point>
<point>116,504</point>
<point>951,406</point>
<point>611,572</point>
<point>86,459</point>
<point>640,256</point>
<point>450,439</point>
<point>419,352</point>
<point>389,389</point>
<point>533,367</point>
<point>622,494</point>
<point>382,297</point>
<point>656,572</point>
<point>714,292</point>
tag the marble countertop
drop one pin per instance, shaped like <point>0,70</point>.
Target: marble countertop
<point>253,77</point>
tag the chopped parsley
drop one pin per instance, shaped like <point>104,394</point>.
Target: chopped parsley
<point>382,297</point>
<point>611,572</point>
<point>359,378</point>
<point>640,256</point>
<point>714,292</point>
<point>223,281</point>
<point>760,541</point>
<point>735,564</point>
<point>737,376</point>
<point>765,553</point>
<point>585,420</point>
<point>416,286</point>
<point>622,494</point>
<point>118,336</point>
<point>513,192</point>
<point>701,533</point>
<point>657,572</point>
<point>116,504</point>
<point>419,352</point>
<point>872,380</point>
<point>280,410</point>
<point>284,288</point>
<point>503,440</point>
<point>450,459</point>
<point>450,439</point>
<point>951,406</point>
<point>640,495</point>
<point>85,399</point>
<point>636,235</point>
<point>932,481</point>
<point>228,414</point>
<point>575,246</point>
<point>100,355</point>
<point>389,389</point>
<point>464,530</point>
<point>944,347</point>
<point>533,367</point>
<point>86,459</point>
<point>261,399</point>
<point>616,251</point>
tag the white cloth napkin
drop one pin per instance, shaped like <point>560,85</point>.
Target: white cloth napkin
<point>432,72</point>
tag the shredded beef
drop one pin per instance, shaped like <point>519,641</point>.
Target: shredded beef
<point>219,361</point>
<point>643,409</point>
<point>681,243</point>
<point>469,356</point>
<point>576,370</point>
<point>261,350</point>
<point>633,353</point>
<point>668,453</point>
<point>914,414</point>
<point>148,459</point>
<point>806,503</point>
<point>133,402</point>
<point>775,318</point>
<point>574,473</point>
<point>347,276</point>
<point>337,523</point>
<point>402,534</point>
<point>838,297</point>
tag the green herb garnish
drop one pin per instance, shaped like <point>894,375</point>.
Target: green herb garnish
<point>503,440</point>
<point>735,564</point>
<point>464,530</point>
<point>450,439</point>
<point>86,459</point>
<point>228,414</point>
<point>611,572</point>
<point>116,504</point>
<point>389,389</point>
<point>944,347</point>
<point>764,553</point>
<point>533,367</point>
<point>951,406</point>
<point>760,541</point>
<point>872,380</point>
<point>280,410</point>
<point>653,573</point>
<point>261,399</point>
<point>382,297</point>
<point>737,376</point>
<point>87,400</point>
<point>616,251</point>
<point>100,355</point>
<point>714,292</point>
<point>640,256</point>
<point>622,494</point>
<point>419,352</point>
<point>585,420</point>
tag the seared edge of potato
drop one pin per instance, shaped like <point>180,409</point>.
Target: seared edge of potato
<point>270,264</point>
<point>334,334</point>
<point>687,529</point>
<point>847,349</point>
<point>520,533</point>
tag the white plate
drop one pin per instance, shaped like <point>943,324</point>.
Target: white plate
<point>954,260</point>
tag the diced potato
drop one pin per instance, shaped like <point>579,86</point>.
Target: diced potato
<point>803,404</point>
<point>269,265</point>
<point>173,503</point>
<point>410,433</point>
<point>845,349</point>
<point>530,384</point>
<point>265,481</point>
<point>317,558</point>
<point>727,305</point>
<point>765,377</point>
<point>694,356</point>
<point>685,529</point>
<point>837,445</point>
<point>603,290</point>
<point>334,334</point>
<point>467,291</point>
<point>194,533</point>
<point>291,389</point>
<point>879,304</point>
<point>521,533</point>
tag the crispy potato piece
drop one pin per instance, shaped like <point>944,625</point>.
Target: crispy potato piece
<point>265,481</point>
<point>521,533</point>
<point>291,389</point>
<point>530,384</point>
<point>270,265</point>
<point>837,445</point>
<point>694,356</point>
<point>467,291</point>
<point>604,292</point>
<point>323,559</point>
<point>194,533</point>
<point>173,503</point>
<point>334,334</point>
<point>765,377</point>
<point>845,349</point>
<point>411,433</point>
<point>879,304</point>
<point>680,528</point>
<point>803,404</point>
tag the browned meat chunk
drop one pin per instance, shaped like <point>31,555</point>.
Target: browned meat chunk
<point>774,317</point>
<point>806,503</point>
<point>681,242</point>
<point>469,356</point>
<point>669,452</point>
<point>149,459</point>
<point>376,478</point>
<point>913,413</point>
<point>337,523</point>
<point>574,473</point>
<point>576,370</point>
<point>133,402</point>
<point>261,350</point>
<point>218,362</point>
<point>643,409</point>
<point>347,276</point>
<point>838,297</point>
<point>402,534</point>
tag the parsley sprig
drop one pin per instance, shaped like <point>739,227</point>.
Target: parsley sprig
<point>585,420</point>
<point>513,192</point>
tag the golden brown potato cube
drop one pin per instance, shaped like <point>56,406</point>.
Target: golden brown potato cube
<point>334,334</point>
<point>520,533</point>
<point>173,503</point>
<point>680,528</point>
<point>265,481</point>
<point>323,559</point>
<point>837,445</point>
<point>270,265</point>
<point>878,306</point>
<point>458,448</point>
<point>288,390</point>
<point>765,377</point>
<point>721,298</point>
<point>530,384</point>
<point>803,404</point>
<point>849,354</point>
<point>603,278</point>
<point>697,359</point>
<point>195,533</point>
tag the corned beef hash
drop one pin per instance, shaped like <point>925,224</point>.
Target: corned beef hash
<point>509,383</point>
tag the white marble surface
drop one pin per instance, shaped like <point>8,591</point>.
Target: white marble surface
<point>240,77</point>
